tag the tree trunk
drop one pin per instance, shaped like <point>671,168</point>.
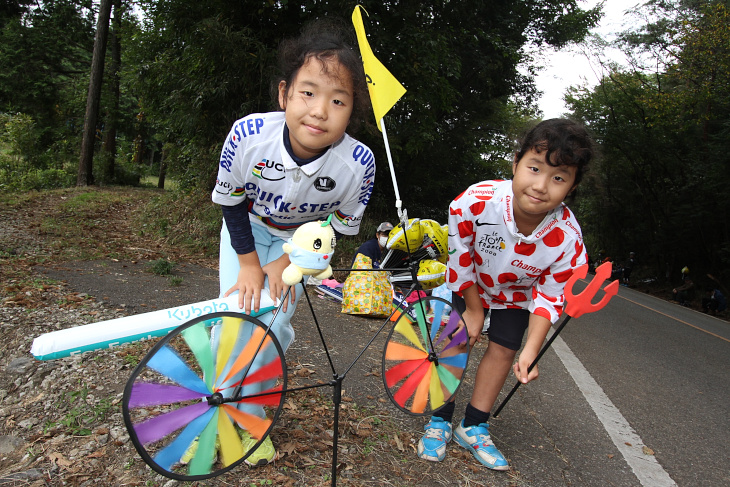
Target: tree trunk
<point>85,176</point>
<point>109,147</point>
<point>163,170</point>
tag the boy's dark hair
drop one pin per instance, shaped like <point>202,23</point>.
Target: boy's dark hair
<point>566,143</point>
<point>325,40</point>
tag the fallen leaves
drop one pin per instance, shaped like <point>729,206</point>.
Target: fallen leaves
<point>58,459</point>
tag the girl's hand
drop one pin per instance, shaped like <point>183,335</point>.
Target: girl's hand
<point>277,287</point>
<point>249,284</point>
<point>523,363</point>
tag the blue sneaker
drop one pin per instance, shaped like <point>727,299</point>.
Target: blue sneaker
<point>476,439</point>
<point>432,446</point>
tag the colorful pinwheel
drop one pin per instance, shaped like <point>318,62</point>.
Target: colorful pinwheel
<point>200,390</point>
<point>425,356</point>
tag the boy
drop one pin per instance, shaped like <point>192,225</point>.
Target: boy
<point>512,246</point>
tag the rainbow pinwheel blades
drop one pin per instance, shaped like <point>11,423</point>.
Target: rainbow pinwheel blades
<point>201,388</point>
<point>425,356</point>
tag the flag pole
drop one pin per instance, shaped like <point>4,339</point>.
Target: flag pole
<point>402,214</point>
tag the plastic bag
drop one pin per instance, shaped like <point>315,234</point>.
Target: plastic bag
<point>367,292</point>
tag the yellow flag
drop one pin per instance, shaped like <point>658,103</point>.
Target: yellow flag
<point>384,89</point>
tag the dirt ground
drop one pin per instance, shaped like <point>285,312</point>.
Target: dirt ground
<point>57,273</point>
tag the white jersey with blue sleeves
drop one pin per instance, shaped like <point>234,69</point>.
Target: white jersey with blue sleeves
<point>256,166</point>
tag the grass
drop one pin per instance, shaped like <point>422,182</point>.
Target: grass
<point>161,267</point>
<point>80,416</point>
<point>151,182</point>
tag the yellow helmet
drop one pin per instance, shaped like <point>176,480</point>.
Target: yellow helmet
<point>431,273</point>
<point>439,235</point>
<point>408,239</point>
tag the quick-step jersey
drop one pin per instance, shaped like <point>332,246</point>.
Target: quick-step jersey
<point>255,165</point>
<point>512,270</point>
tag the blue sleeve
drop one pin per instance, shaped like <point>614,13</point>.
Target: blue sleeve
<point>369,249</point>
<point>239,227</point>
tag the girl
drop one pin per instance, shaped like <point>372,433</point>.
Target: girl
<point>512,246</point>
<point>280,170</point>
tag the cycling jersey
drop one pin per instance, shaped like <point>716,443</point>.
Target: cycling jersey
<point>255,166</point>
<point>512,270</point>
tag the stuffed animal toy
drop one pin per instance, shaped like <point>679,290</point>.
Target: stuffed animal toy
<point>310,252</point>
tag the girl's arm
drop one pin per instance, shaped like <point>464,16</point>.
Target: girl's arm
<point>277,287</point>
<point>537,330</point>
<point>250,282</point>
<point>250,279</point>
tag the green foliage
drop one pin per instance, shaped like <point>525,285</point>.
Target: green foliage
<point>80,415</point>
<point>23,167</point>
<point>662,182</point>
<point>458,60</point>
<point>44,54</point>
<point>18,134</point>
<point>161,267</point>
<point>43,179</point>
<point>189,219</point>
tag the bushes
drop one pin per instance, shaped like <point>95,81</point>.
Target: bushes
<point>23,165</point>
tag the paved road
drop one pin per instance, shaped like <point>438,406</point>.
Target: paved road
<point>633,395</point>
<point>636,394</point>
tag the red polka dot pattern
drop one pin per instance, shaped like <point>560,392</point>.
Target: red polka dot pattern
<point>524,248</point>
<point>512,271</point>
<point>487,279</point>
<point>554,238</point>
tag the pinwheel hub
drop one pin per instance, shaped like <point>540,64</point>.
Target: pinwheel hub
<point>216,399</point>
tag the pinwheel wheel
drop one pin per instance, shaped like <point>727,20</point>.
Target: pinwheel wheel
<point>425,356</point>
<point>201,389</point>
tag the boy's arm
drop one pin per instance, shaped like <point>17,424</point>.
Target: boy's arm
<point>537,330</point>
<point>474,313</point>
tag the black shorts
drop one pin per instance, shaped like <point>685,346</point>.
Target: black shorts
<point>506,326</point>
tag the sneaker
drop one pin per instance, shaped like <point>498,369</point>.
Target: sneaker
<point>190,452</point>
<point>432,446</point>
<point>476,439</point>
<point>193,449</point>
<point>263,455</point>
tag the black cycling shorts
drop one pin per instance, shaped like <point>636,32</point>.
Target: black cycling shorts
<point>506,326</point>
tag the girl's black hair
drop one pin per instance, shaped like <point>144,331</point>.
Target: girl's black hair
<point>325,40</point>
<point>565,142</point>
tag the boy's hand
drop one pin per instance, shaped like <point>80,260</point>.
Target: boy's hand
<point>277,287</point>
<point>523,363</point>
<point>474,320</point>
<point>537,330</point>
<point>474,314</point>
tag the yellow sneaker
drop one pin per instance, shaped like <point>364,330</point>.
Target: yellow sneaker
<point>190,452</point>
<point>193,449</point>
<point>263,455</point>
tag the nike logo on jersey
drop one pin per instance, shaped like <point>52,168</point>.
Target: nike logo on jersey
<point>479,224</point>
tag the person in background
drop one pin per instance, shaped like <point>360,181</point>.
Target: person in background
<point>683,294</point>
<point>628,267</point>
<point>373,248</point>
<point>714,302</point>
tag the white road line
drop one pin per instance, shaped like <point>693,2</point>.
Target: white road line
<point>645,467</point>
